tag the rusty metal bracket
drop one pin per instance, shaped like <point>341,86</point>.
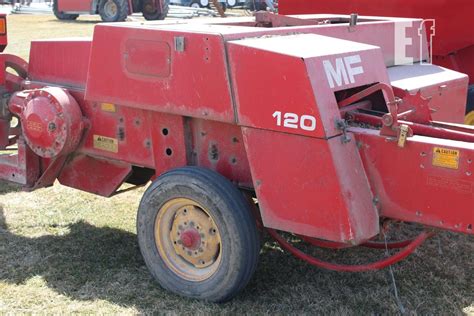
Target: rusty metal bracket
<point>342,126</point>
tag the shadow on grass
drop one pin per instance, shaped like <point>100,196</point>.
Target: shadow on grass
<point>92,263</point>
<point>7,187</point>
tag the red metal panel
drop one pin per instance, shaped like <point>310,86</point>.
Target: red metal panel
<point>98,176</point>
<point>64,62</point>
<point>446,89</point>
<point>127,129</point>
<point>289,77</point>
<point>22,167</point>
<point>452,34</point>
<point>197,84</point>
<point>220,147</point>
<point>168,140</point>
<point>411,187</point>
<point>376,31</point>
<point>131,135</point>
<point>462,61</point>
<point>75,5</point>
<point>314,187</point>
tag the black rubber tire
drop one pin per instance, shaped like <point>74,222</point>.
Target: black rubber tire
<point>256,5</point>
<point>121,14</point>
<point>223,5</point>
<point>61,15</point>
<point>196,2</point>
<point>231,6</point>
<point>470,99</point>
<point>157,14</point>
<point>232,215</point>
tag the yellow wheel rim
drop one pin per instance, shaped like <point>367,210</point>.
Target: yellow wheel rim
<point>110,8</point>
<point>187,239</point>
<point>469,120</point>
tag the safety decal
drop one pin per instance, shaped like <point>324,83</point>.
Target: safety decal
<point>108,107</point>
<point>106,143</point>
<point>446,157</point>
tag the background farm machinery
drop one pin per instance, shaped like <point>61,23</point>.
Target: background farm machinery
<point>110,10</point>
<point>333,152</point>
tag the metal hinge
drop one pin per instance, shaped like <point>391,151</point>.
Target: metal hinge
<point>342,126</point>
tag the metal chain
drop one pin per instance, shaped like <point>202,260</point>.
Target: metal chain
<point>392,276</point>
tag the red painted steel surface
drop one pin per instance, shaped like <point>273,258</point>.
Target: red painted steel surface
<point>295,63</point>
<point>446,89</point>
<point>260,105</point>
<point>75,5</point>
<point>23,168</point>
<point>410,188</point>
<point>370,30</point>
<point>51,120</point>
<point>94,175</point>
<point>170,87</point>
<point>314,187</point>
<point>462,61</point>
<point>68,61</point>
<point>454,23</point>
<point>220,147</point>
<point>453,43</point>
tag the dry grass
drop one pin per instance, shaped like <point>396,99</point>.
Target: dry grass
<point>24,28</point>
<point>64,251</point>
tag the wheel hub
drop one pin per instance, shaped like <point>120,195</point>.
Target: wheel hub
<point>110,8</point>
<point>191,239</point>
<point>149,8</point>
<point>188,239</point>
<point>194,237</point>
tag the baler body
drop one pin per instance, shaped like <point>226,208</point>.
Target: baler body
<point>309,116</point>
<point>160,96</point>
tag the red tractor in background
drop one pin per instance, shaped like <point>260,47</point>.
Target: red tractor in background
<point>453,41</point>
<point>110,10</point>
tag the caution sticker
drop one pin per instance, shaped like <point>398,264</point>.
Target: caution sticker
<point>108,107</point>
<point>446,157</point>
<point>106,143</point>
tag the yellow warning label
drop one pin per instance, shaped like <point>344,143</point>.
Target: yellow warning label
<point>446,157</point>
<point>108,107</point>
<point>106,143</point>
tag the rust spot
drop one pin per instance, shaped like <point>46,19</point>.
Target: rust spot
<point>213,152</point>
<point>121,133</point>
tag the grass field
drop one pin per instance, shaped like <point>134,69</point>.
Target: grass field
<point>64,251</point>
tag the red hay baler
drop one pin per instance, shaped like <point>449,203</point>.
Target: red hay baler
<point>330,149</point>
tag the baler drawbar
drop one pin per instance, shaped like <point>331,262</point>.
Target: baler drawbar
<point>298,124</point>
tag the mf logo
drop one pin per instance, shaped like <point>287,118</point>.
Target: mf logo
<point>343,70</point>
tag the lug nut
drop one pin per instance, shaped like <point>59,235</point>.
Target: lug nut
<point>51,126</point>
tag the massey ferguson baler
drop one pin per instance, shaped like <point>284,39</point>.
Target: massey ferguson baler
<point>276,122</point>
